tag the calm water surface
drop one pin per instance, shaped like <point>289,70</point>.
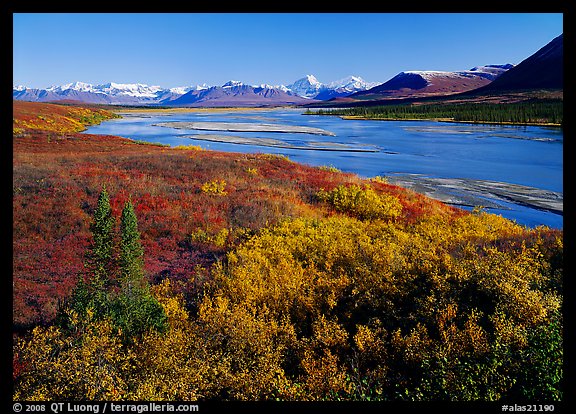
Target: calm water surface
<point>525,155</point>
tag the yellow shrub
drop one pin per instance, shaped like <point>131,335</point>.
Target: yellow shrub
<point>216,187</point>
<point>362,202</point>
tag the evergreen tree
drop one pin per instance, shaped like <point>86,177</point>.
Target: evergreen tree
<point>99,260</point>
<point>131,252</point>
<point>134,310</point>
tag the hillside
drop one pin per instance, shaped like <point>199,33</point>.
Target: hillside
<point>275,280</point>
<point>542,70</point>
<point>419,84</point>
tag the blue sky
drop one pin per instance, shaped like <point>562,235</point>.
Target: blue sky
<point>276,48</point>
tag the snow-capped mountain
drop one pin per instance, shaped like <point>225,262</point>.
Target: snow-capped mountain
<point>351,84</point>
<point>310,87</point>
<point>236,93</point>
<point>232,84</point>
<point>306,87</point>
<point>490,71</point>
<point>419,83</point>
<point>76,86</point>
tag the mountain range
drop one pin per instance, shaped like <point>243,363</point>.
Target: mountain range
<point>232,93</point>
<point>542,70</point>
<point>306,90</point>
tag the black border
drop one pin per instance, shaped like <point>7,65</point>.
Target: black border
<point>472,6</point>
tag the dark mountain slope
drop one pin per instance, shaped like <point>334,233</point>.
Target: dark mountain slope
<point>543,70</point>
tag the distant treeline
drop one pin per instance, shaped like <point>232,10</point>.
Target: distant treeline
<point>541,112</point>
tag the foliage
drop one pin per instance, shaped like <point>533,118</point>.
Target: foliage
<point>379,179</point>
<point>330,168</point>
<point>55,118</point>
<point>89,365</point>
<point>100,257</point>
<point>216,187</point>
<point>131,259</point>
<point>131,309</point>
<point>450,314</point>
<point>363,203</point>
<point>300,284</point>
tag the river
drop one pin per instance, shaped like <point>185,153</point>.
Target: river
<point>454,162</point>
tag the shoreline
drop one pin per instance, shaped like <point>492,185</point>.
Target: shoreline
<point>450,120</point>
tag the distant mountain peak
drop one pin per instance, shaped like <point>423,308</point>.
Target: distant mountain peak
<point>310,87</point>
<point>312,79</point>
<point>232,83</point>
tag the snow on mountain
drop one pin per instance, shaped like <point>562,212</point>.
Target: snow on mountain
<point>419,83</point>
<point>76,86</point>
<point>141,94</point>
<point>181,90</point>
<point>137,90</point>
<point>306,87</point>
<point>268,86</point>
<point>489,72</point>
<point>236,93</point>
<point>351,84</point>
<point>232,84</point>
<point>310,87</point>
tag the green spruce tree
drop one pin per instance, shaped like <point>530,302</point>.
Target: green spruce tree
<point>99,260</point>
<point>134,310</point>
<point>131,252</point>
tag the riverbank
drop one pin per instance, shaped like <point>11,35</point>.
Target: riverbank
<point>537,112</point>
<point>452,120</point>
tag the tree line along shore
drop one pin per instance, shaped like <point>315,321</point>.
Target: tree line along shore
<point>536,112</point>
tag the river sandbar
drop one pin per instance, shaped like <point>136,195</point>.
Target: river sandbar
<point>244,127</point>
<point>470,192</point>
<point>270,142</point>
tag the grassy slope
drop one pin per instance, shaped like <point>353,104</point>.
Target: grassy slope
<point>58,174</point>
